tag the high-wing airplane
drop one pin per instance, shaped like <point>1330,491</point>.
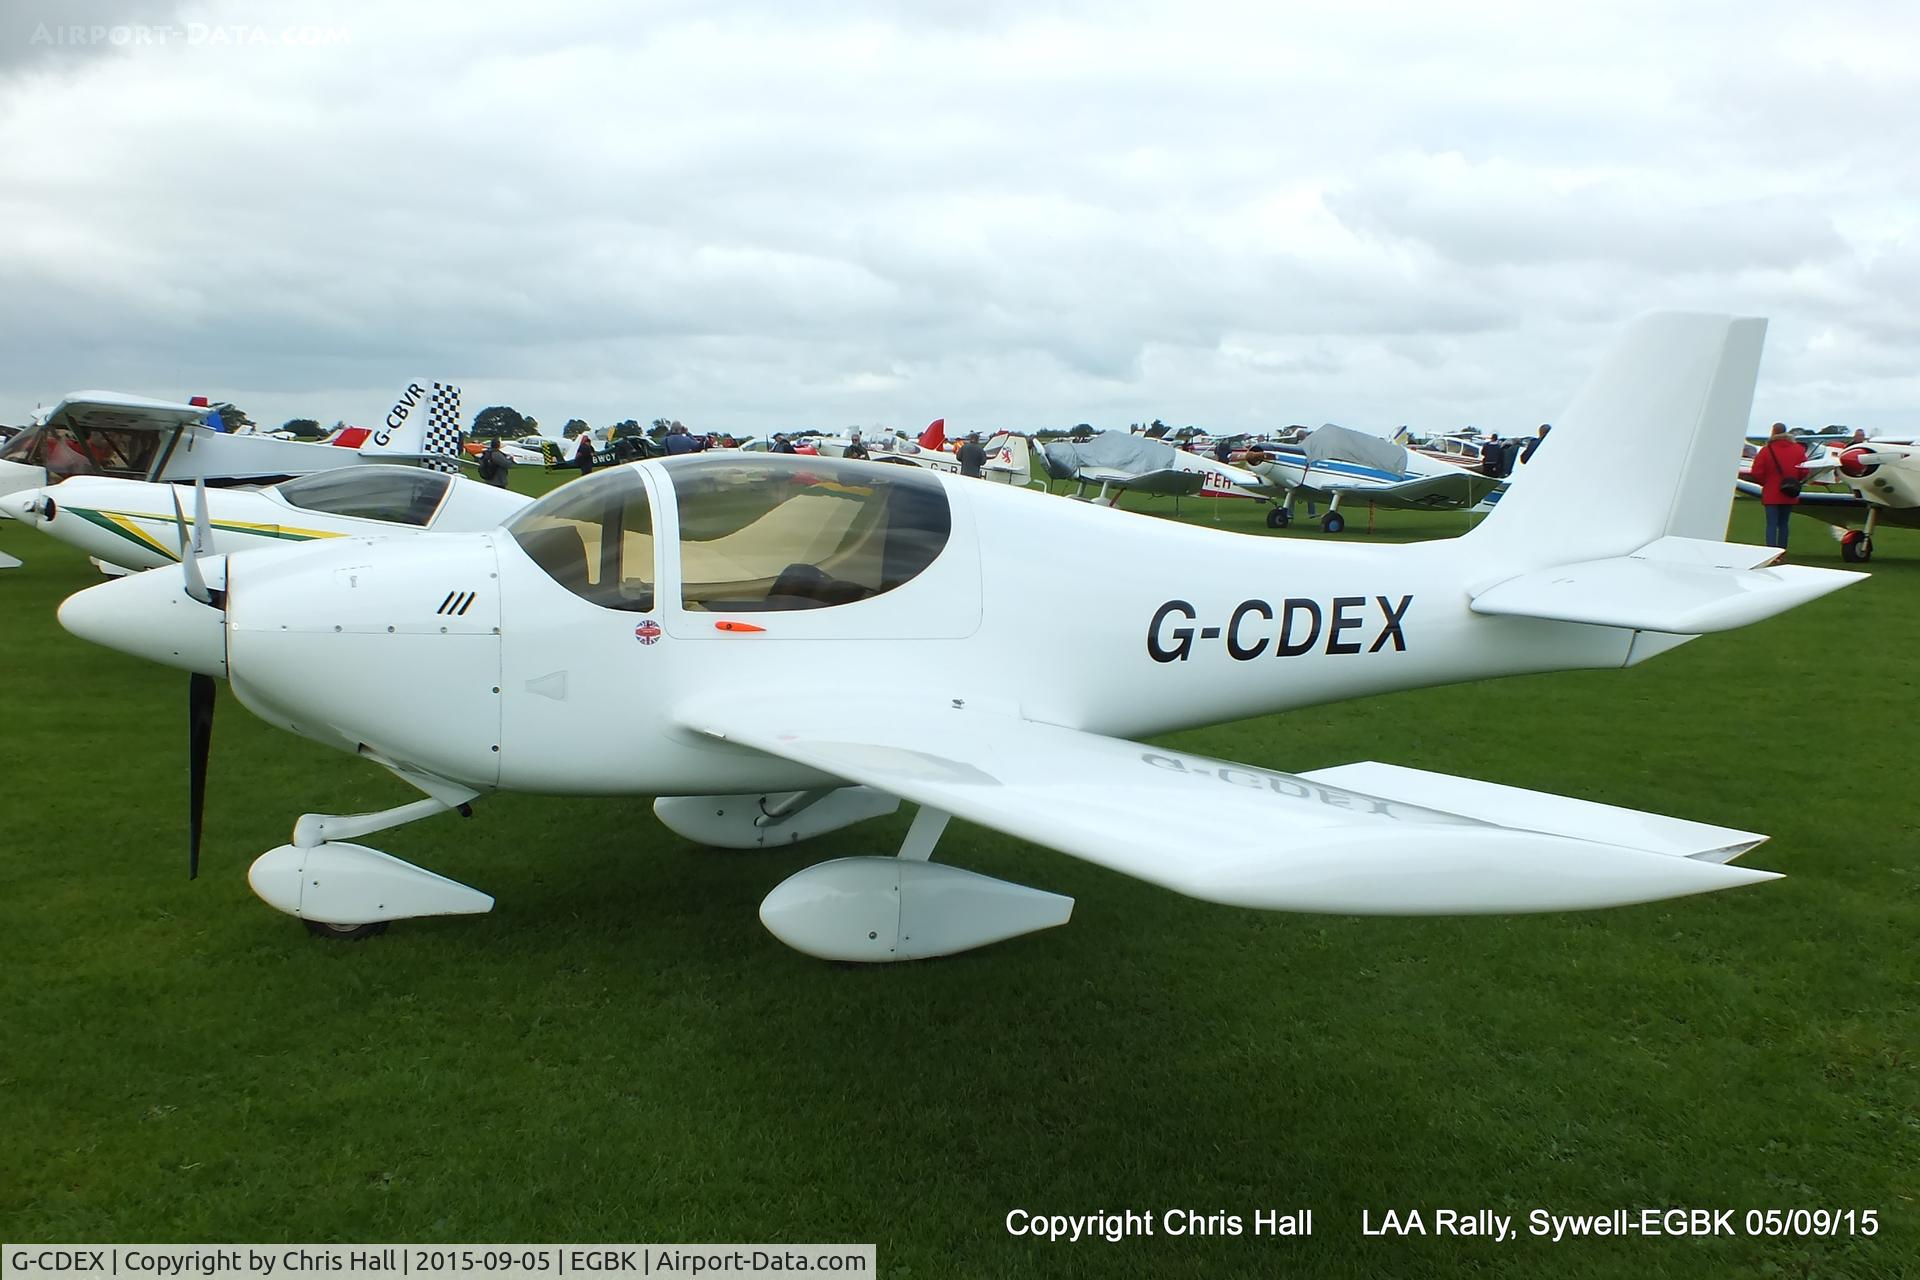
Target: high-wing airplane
<point>1118,461</point>
<point>1335,463</point>
<point>130,524</point>
<point>1008,459</point>
<point>527,451</point>
<point>105,433</point>
<point>694,578</point>
<point>1881,483</point>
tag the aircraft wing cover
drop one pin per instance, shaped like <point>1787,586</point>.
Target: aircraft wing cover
<point>1672,585</point>
<point>1114,451</point>
<point>1333,443</point>
<point>1224,832</point>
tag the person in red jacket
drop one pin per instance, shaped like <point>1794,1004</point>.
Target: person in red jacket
<point>1778,469</point>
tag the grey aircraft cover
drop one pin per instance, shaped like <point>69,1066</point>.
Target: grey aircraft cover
<point>1116,451</point>
<point>1343,444</point>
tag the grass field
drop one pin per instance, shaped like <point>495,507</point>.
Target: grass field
<point>620,1052</point>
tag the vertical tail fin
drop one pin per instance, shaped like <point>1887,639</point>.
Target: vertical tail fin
<point>423,422</point>
<point>1008,459</point>
<point>443,428</point>
<point>1648,448</point>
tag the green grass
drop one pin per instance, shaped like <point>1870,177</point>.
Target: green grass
<point>620,1052</point>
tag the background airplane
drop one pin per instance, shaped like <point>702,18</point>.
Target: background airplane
<point>106,433</point>
<point>131,524</point>
<point>1335,463</point>
<point>1009,461</point>
<point>1118,461</point>
<point>1881,480</point>
<point>701,582</point>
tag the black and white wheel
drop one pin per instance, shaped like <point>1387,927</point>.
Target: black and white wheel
<point>345,932</point>
<point>1279,518</point>
<point>1856,548</point>
<point>1333,522</point>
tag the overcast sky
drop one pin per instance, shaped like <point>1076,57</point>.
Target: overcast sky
<point>1023,215</point>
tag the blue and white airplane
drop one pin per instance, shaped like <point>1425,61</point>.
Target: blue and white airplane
<point>1336,463</point>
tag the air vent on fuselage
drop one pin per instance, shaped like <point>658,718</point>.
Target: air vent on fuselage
<point>457,603</point>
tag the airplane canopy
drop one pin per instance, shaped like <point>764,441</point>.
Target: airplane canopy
<point>757,532</point>
<point>400,495</point>
<point>770,532</point>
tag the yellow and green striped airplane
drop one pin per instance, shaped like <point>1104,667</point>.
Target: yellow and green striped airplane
<point>131,524</point>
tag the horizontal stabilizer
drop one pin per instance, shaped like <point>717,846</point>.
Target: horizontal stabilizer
<point>1685,586</point>
<point>1541,811</point>
<point>1230,833</point>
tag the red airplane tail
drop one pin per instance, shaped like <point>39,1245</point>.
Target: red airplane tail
<point>935,436</point>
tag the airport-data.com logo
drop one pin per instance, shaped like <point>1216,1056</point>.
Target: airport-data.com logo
<point>185,35</point>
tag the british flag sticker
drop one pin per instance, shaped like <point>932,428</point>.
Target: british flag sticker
<point>647,632</point>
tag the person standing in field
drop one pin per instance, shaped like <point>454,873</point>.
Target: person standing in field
<point>971,457</point>
<point>495,465</point>
<point>1778,469</point>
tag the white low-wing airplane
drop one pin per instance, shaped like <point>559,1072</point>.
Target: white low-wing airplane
<point>1335,463</point>
<point>1882,482</point>
<point>131,524</point>
<point>672,571</point>
<point>1118,461</point>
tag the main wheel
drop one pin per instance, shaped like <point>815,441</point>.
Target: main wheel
<point>1856,548</point>
<point>1333,522</point>
<point>345,932</point>
<point>1279,518</point>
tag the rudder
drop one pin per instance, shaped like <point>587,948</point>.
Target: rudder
<point>1648,449</point>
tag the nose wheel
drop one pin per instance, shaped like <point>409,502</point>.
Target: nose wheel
<point>1856,547</point>
<point>345,932</point>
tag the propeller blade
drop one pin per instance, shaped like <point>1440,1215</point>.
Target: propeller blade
<point>202,523</point>
<point>190,552</point>
<point>199,745</point>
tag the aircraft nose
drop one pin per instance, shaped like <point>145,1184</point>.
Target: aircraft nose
<point>29,505</point>
<point>151,616</point>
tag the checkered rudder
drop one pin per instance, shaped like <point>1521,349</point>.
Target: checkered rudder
<point>443,428</point>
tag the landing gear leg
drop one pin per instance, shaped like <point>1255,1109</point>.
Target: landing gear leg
<point>1333,521</point>
<point>1857,548</point>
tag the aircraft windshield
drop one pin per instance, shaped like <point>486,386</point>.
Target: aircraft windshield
<point>763,533</point>
<point>594,536</point>
<point>397,495</point>
<point>85,451</point>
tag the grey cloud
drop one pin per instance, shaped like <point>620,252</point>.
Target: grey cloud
<point>1029,214</point>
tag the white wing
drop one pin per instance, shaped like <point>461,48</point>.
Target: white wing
<point>1169,480</point>
<point>1374,842</point>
